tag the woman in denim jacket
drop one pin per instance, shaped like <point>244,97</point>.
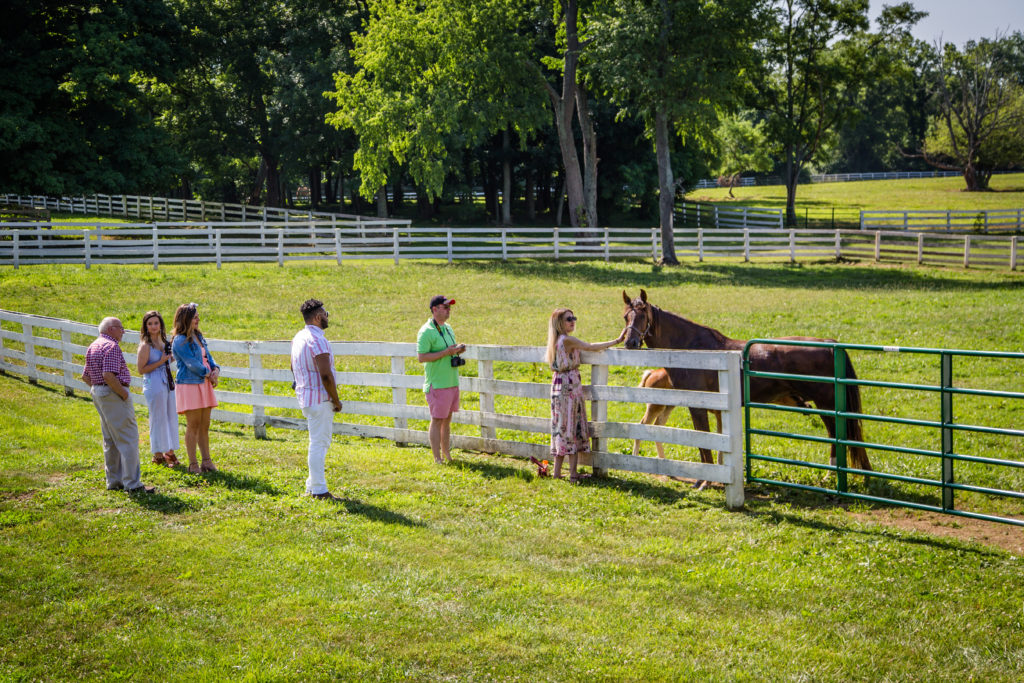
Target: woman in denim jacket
<point>197,377</point>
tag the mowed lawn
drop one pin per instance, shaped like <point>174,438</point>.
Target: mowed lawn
<point>482,571</point>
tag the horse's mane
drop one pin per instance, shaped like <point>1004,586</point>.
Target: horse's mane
<point>676,320</point>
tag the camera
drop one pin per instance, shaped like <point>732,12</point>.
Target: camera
<point>458,361</point>
<point>167,347</point>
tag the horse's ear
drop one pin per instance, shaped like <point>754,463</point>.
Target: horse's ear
<point>625,297</point>
<point>643,296</point>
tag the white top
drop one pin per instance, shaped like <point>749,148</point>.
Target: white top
<point>308,343</point>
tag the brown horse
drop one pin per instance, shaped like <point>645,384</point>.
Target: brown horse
<point>660,329</point>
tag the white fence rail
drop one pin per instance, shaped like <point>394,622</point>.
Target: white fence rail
<point>166,209</point>
<point>31,243</point>
<point>46,349</point>
<point>949,221</point>
<point>710,215</point>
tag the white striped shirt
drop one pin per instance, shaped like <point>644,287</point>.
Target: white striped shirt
<point>306,345</point>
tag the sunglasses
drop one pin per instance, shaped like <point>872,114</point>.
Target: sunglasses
<point>570,318</point>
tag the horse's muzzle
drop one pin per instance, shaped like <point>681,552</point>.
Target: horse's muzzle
<point>632,344</point>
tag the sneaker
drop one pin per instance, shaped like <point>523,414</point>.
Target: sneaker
<point>326,495</point>
<point>143,489</point>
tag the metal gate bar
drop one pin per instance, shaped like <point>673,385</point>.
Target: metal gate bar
<point>945,425</point>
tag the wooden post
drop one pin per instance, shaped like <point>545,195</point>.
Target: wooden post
<point>337,240</point>
<point>920,248</point>
<point>223,212</point>
<point>395,244</point>
<point>967,251</point>
<point>729,382</point>
<point>15,236</point>
<point>746,244</point>
<point>607,246</point>
<point>167,209</point>
<point>280,247</point>
<point>449,246</point>
<point>151,211</point>
<point>216,246</point>
<point>598,412</point>
<point>504,244</point>
<point>878,245</point>
<point>68,358</point>
<point>1013,252</point>
<point>700,245</point>
<point>398,394</point>
<point>88,252</point>
<point>654,244</point>
<point>30,353</point>
<point>156,247</point>
<point>485,370</point>
<point>792,245</point>
<point>259,424</point>
<point>554,237</point>
<point>839,246</point>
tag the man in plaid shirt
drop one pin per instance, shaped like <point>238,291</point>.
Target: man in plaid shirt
<point>107,373</point>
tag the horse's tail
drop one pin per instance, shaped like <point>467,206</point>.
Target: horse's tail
<point>643,379</point>
<point>858,454</point>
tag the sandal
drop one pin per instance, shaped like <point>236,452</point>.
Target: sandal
<point>578,478</point>
<point>208,467</point>
<point>170,460</point>
<point>193,468</point>
<point>158,459</point>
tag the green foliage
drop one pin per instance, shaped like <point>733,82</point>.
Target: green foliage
<point>76,110</point>
<point>742,146</point>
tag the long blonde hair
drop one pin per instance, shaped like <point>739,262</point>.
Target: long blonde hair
<point>556,328</point>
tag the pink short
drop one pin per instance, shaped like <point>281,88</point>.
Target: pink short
<point>443,402</point>
<point>193,397</point>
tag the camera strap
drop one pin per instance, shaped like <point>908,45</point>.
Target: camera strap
<point>440,331</point>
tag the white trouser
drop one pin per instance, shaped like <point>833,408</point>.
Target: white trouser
<point>319,418</point>
<point>163,421</point>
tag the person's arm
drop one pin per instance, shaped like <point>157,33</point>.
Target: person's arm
<point>438,355</point>
<point>574,343</point>
<point>214,375</point>
<point>323,366</point>
<point>115,385</point>
<point>145,368</point>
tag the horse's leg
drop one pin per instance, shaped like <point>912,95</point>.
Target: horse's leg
<point>666,412</point>
<point>651,416</point>
<point>700,423</point>
<point>718,421</point>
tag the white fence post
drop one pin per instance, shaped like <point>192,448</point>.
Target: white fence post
<point>449,246</point>
<point>729,382</point>
<point>15,238</point>
<point>30,353</point>
<point>839,245</point>
<point>554,237</point>
<point>337,240</point>
<point>504,244</point>
<point>967,251</point>
<point>920,248</point>
<point>607,246</point>
<point>654,244</point>
<point>485,371</point>
<point>86,238</point>
<point>700,245</point>
<point>878,245</point>
<point>395,238</point>
<point>259,423</point>
<point>398,394</point>
<point>746,243</point>
<point>280,247</point>
<point>1013,252</point>
<point>68,358</point>
<point>792,245</point>
<point>598,411</point>
<point>216,246</point>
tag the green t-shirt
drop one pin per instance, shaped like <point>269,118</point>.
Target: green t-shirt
<point>438,374</point>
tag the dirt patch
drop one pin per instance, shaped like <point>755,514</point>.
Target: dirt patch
<point>1005,536</point>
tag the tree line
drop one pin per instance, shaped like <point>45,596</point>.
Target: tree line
<point>574,109</point>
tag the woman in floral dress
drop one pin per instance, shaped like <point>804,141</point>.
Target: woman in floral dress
<point>570,433</point>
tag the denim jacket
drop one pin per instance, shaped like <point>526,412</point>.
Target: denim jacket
<point>189,358</point>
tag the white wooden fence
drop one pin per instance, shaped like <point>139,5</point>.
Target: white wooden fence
<point>985,221</point>
<point>166,210</point>
<point>712,215</point>
<point>52,350</point>
<point>156,244</point>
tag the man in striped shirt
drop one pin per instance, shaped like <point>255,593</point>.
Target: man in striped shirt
<point>107,373</point>
<point>313,368</point>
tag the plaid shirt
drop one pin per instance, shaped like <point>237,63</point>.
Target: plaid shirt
<point>104,355</point>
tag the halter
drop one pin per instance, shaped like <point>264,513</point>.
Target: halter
<point>650,321</point>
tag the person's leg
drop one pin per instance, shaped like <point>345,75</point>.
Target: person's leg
<point>446,438</point>
<point>111,456</point>
<point>319,419</point>
<point>204,440</point>
<point>125,433</point>
<point>434,436</point>
<point>558,466</point>
<point>192,421</point>
<point>574,459</point>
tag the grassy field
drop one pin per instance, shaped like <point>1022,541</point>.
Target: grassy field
<point>481,571</point>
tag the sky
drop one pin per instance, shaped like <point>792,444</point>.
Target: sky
<point>957,21</point>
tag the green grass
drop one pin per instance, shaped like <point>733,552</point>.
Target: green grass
<point>481,571</point>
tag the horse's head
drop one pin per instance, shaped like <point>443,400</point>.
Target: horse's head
<point>639,316</point>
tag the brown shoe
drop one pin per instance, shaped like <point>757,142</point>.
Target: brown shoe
<point>193,468</point>
<point>326,495</point>
<point>170,460</point>
<point>158,459</point>
<point>143,489</point>
<point>208,466</point>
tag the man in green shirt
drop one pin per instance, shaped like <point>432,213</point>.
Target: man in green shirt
<point>436,348</point>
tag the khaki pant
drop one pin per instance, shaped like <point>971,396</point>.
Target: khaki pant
<point>120,438</point>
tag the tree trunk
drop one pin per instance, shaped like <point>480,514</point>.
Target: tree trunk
<point>589,157</point>
<point>273,182</point>
<point>792,174</point>
<point>382,202</point>
<point>666,188</point>
<point>506,178</point>
<point>398,195</point>
<point>314,187</point>
<point>531,202</point>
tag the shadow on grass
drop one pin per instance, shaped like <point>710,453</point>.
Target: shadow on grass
<point>493,470</point>
<point>231,480</point>
<point>830,276</point>
<point>375,513</point>
<point>162,503</point>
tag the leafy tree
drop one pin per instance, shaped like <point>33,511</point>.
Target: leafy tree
<point>814,61</point>
<point>979,127</point>
<point>742,146</point>
<point>674,64</point>
<point>76,115</point>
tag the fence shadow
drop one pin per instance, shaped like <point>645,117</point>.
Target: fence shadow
<point>354,506</point>
<point>493,470</point>
<point>163,503</point>
<point>840,276</point>
<point>231,480</point>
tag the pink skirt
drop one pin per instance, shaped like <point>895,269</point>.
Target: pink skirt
<point>194,397</point>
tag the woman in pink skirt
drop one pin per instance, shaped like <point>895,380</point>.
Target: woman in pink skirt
<point>570,433</point>
<point>197,377</point>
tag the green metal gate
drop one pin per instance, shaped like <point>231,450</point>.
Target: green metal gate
<point>941,464</point>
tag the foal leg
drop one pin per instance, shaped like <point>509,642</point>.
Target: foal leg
<point>700,423</point>
<point>651,416</point>
<point>666,412</point>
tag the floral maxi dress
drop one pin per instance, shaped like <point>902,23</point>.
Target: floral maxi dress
<point>570,432</point>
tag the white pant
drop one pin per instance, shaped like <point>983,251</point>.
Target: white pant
<point>163,421</point>
<point>319,419</point>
